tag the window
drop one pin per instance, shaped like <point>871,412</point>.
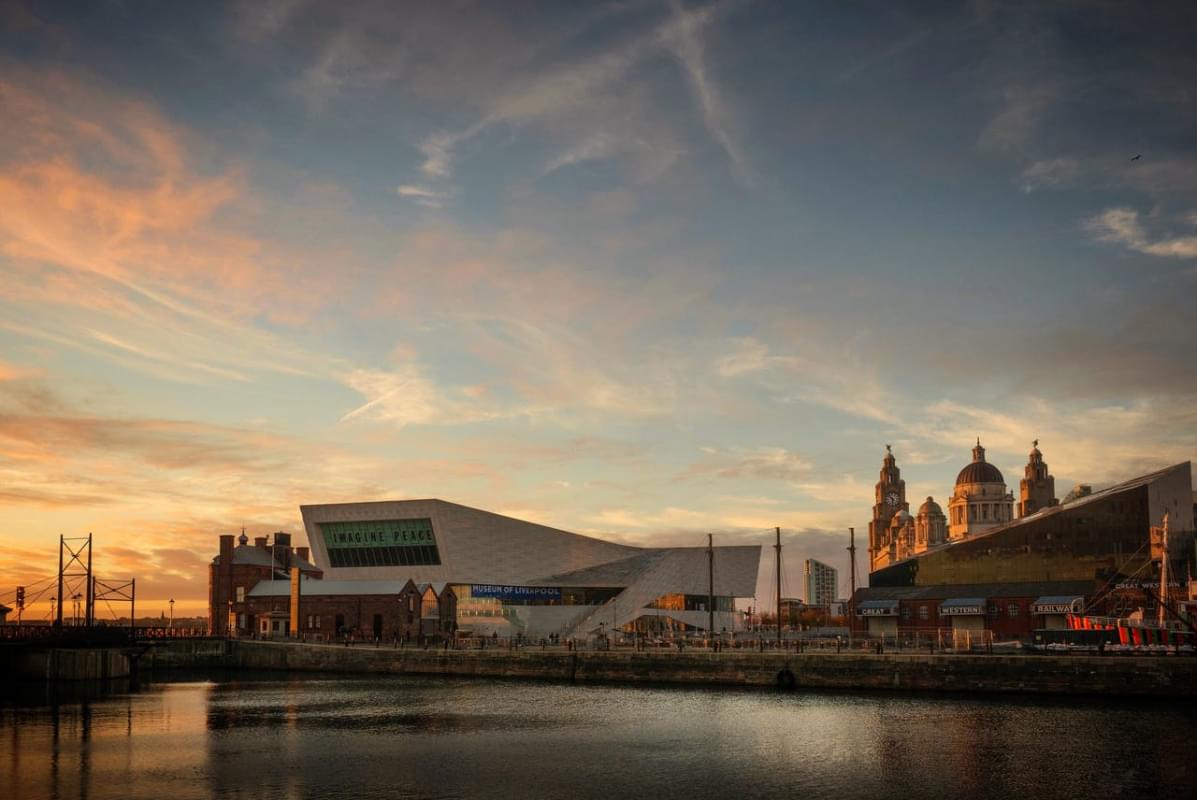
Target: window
<point>985,511</point>
<point>905,612</point>
<point>993,609</point>
<point>240,594</point>
<point>1012,610</point>
<point>923,612</point>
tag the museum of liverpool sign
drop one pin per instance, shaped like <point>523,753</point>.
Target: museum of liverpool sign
<point>509,593</point>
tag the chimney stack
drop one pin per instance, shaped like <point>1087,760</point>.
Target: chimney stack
<point>222,590</point>
<point>282,541</point>
<point>302,552</point>
<point>260,541</point>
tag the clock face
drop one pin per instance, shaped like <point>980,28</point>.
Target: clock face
<point>892,498</point>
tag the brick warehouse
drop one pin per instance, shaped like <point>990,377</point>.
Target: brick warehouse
<point>251,588</point>
<point>371,609</point>
<point>240,567</point>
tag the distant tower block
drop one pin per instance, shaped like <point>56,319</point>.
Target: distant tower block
<point>1037,490</point>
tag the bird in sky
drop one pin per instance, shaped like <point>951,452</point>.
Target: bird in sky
<point>1137,157</point>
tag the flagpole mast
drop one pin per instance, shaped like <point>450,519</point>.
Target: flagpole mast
<point>777,547</point>
<point>711,584</point>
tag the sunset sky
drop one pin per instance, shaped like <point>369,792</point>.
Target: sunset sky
<point>638,270</point>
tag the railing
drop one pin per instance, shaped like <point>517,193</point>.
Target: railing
<point>94,635</point>
<point>159,632</point>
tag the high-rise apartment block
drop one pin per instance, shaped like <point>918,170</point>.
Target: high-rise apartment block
<point>820,582</point>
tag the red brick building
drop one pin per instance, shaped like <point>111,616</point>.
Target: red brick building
<point>359,609</point>
<point>1008,610</point>
<point>240,567</point>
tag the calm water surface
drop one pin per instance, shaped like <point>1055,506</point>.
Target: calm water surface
<point>392,737</point>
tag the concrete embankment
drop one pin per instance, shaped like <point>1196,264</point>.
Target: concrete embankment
<point>65,664</point>
<point>1164,676</point>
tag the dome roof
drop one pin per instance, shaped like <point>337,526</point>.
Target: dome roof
<point>980,472</point>
<point>930,507</point>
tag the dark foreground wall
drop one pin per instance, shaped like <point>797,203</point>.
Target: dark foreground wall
<point>53,664</point>
<point>1163,676</point>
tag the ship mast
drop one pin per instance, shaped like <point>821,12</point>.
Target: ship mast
<point>777,547</point>
<point>852,596</point>
<point>1164,572</point>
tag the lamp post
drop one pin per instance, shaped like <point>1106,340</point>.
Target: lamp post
<point>172,614</point>
<point>53,602</point>
<point>76,597</point>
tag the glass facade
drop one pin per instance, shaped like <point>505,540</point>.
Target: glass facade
<point>381,543</point>
<point>692,602</point>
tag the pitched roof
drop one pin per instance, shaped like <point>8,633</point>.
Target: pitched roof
<point>987,590</point>
<point>253,556</point>
<point>315,586</point>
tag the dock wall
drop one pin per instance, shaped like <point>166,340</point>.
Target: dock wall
<point>1110,675</point>
<point>65,664</point>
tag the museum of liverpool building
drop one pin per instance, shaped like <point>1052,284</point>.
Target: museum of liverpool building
<point>429,568</point>
<point>1011,567</point>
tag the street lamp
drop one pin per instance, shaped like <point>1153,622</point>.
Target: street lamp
<point>172,613</point>
<point>53,602</point>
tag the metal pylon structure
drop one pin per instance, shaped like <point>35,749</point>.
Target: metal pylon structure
<point>125,592</point>
<point>71,568</point>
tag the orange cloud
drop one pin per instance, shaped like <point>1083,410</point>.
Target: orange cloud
<point>98,183</point>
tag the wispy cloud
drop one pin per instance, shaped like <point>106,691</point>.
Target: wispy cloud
<point>1053,173</point>
<point>767,463</point>
<point>821,373</point>
<point>1122,226</point>
<point>590,90</point>
<point>423,195</point>
<point>685,40</point>
<point>403,396</point>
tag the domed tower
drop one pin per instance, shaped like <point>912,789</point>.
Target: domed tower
<point>930,526</point>
<point>980,499</point>
<point>1037,490</point>
<point>901,536</point>
<point>889,499</point>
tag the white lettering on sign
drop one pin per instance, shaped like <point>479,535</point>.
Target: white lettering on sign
<point>1054,608</point>
<point>967,610</point>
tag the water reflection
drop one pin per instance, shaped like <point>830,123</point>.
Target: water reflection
<point>393,737</point>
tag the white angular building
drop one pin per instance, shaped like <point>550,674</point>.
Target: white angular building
<point>515,577</point>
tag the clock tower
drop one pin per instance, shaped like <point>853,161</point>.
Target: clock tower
<point>890,498</point>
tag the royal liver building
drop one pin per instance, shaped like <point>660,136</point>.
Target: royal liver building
<point>979,502</point>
